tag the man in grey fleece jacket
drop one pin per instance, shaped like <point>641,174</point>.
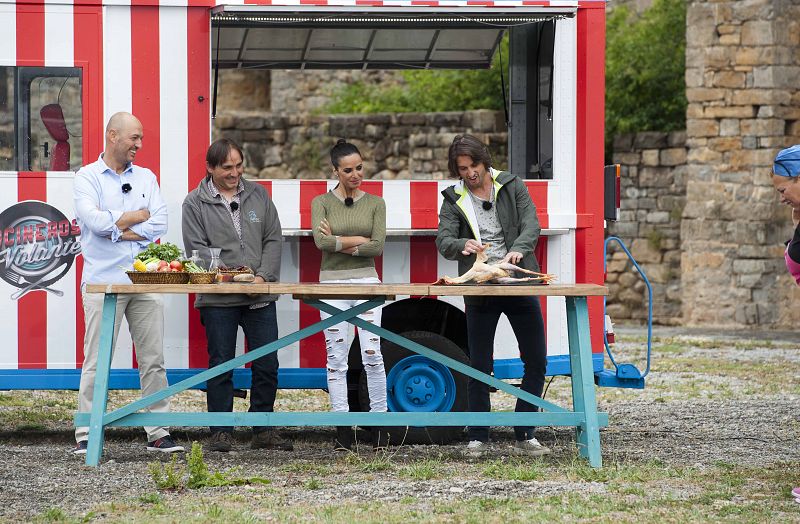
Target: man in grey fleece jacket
<point>226,211</point>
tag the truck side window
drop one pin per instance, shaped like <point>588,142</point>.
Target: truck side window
<point>41,118</point>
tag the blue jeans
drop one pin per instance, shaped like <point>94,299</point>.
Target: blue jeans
<point>525,316</point>
<point>260,327</point>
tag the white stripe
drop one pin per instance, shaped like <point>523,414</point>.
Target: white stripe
<point>288,307</point>
<point>117,76</point>
<point>8,320</point>
<point>8,39</point>
<point>396,263</point>
<point>174,146</point>
<point>286,197</point>
<point>561,261</point>
<point>59,40</point>
<point>561,191</point>
<point>449,268</point>
<point>398,204</point>
<point>61,310</point>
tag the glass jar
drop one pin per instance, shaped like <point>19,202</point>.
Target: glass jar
<point>215,263</point>
<point>196,260</point>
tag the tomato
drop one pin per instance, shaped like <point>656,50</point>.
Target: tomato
<point>176,265</point>
<point>164,269</point>
<point>162,264</point>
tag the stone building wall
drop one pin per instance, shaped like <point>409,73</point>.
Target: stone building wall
<point>395,146</point>
<point>653,187</point>
<point>742,78</point>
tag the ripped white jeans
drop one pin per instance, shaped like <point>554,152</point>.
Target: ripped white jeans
<point>338,349</point>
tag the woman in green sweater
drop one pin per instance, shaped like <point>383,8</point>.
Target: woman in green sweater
<point>350,230</point>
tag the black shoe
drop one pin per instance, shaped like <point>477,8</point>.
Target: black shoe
<point>221,441</point>
<point>344,438</point>
<point>164,444</point>
<point>270,439</point>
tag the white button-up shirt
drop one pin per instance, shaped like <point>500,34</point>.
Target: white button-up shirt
<point>99,203</point>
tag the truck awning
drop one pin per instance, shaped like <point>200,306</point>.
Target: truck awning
<point>270,37</point>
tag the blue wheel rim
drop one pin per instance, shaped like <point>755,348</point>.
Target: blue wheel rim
<point>418,384</point>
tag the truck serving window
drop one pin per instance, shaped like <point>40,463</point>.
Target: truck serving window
<point>531,131</point>
<point>41,118</point>
<point>247,37</point>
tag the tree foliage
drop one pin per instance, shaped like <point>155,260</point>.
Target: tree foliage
<point>645,88</point>
<point>645,66</point>
<point>427,91</point>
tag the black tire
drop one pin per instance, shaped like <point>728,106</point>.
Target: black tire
<point>392,354</point>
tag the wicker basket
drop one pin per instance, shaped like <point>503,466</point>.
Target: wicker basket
<point>141,277</point>
<point>202,278</point>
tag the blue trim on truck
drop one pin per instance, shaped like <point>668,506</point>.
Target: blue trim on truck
<point>295,378</point>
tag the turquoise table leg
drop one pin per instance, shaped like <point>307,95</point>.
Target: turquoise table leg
<point>96,423</point>
<point>583,394</point>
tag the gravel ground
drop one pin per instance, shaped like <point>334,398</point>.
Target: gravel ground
<point>39,472</point>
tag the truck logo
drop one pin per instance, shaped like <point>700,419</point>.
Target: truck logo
<point>37,248</point>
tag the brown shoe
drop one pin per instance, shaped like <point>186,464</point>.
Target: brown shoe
<point>270,439</point>
<point>221,441</point>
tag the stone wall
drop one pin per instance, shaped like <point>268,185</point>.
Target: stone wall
<point>653,186</point>
<point>742,75</point>
<point>395,146</point>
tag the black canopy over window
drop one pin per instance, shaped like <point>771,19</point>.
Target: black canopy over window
<point>259,37</point>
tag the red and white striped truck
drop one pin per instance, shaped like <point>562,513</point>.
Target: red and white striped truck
<point>67,65</point>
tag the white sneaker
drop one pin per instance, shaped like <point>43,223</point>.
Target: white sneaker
<point>531,447</point>
<point>476,447</point>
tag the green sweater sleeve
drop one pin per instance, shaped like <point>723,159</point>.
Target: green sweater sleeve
<point>318,212</point>
<point>374,247</point>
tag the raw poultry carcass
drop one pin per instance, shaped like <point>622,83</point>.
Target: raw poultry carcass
<point>496,272</point>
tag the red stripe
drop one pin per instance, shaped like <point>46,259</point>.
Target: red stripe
<point>88,45</point>
<point>423,199</point>
<point>538,192</point>
<point>425,260</point>
<point>312,349</point>
<point>32,308</point>
<point>541,256</point>
<point>197,30</point>
<point>30,34</point>
<point>145,86</point>
<point>80,326</point>
<point>145,83</point>
<point>309,190</point>
<point>589,161</point>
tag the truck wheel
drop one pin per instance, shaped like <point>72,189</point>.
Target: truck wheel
<point>418,384</point>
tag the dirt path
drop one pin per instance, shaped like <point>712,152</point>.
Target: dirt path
<point>703,418</point>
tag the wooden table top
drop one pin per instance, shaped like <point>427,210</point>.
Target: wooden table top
<point>317,290</point>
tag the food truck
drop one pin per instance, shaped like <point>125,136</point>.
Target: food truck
<point>67,65</point>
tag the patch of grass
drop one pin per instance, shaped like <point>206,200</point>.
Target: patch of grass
<point>173,476</point>
<point>313,483</point>
<point>422,470</point>
<point>516,469</point>
<point>169,476</point>
<point>151,498</point>
<point>55,515</point>
<point>381,461</point>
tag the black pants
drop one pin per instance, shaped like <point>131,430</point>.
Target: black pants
<point>525,317</point>
<point>260,327</point>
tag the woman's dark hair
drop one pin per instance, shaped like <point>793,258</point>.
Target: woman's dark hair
<point>218,152</point>
<point>342,149</point>
<point>467,145</point>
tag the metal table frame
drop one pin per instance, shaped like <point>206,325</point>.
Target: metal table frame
<point>583,416</point>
